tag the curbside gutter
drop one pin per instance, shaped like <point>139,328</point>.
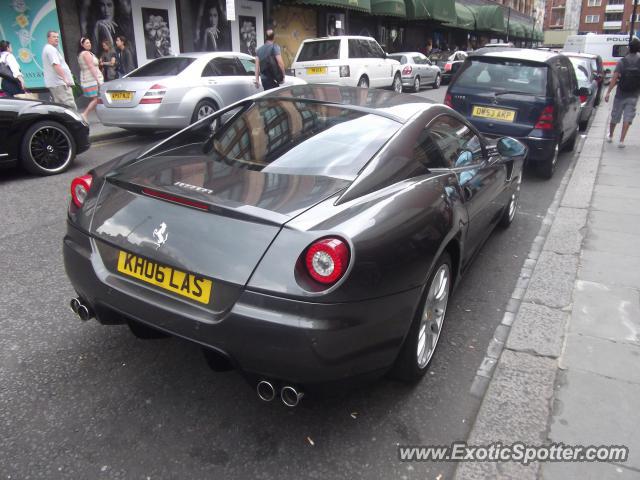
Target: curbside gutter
<point>517,376</point>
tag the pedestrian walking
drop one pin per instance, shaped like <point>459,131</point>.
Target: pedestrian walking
<point>108,61</point>
<point>12,79</point>
<point>627,77</point>
<point>124,57</point>
<point>90,76</point>
<point>269,64</point>
<point>57,75</point>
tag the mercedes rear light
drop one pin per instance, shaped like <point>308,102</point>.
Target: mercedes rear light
<point>545,120</point>
<point>407,70</point>
<point>154,94</point>
<point>447,100</point>
<point>447,67</point>
<point>583,99</point>
<point>80,187</point>
<point>327,260</point>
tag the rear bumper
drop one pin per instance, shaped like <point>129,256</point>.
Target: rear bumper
<point>140,116</point>
<point>263,335</point>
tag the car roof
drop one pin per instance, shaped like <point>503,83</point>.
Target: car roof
<point>406,53</point>
<point>400,107</point>
<point>338,37</point>
<point>583,55</point>
<point>207,54</point>
<point>541,56</point>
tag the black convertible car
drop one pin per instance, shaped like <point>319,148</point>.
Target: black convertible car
<point>313,235</point>
<point>42,137</point>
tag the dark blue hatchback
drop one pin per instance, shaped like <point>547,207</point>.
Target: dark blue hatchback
<point>531,95</point>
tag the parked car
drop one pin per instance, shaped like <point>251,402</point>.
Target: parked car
<point>609,47</point>
<point>347,60</point>
<point>531,95</point>
<point>173,92</point>
<point>594,68</point>
<point>587,102</point>
<point>315,236</point>
<point>451,65</point>
<point>417,70</point>
<point>42,137</point>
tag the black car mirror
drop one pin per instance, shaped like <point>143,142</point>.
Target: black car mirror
<point>510,147</point>
<point>583,92</point>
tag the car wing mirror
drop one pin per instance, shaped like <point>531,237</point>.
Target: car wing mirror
<point>510,148</point>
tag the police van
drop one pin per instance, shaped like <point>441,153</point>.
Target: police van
<point>610,47</point>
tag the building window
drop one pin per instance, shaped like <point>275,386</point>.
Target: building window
<point>595,3</point>
<point>613,17</point>
<point>615,2</point>
<point>637,17</point>
<point>592,19</point>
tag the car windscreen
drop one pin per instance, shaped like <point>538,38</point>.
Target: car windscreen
<point>301,138</point>
<point>504,75</point>
<point>581,62</point>
<point>321,50</point>
<point>581,76</point>
<point>162,67</point>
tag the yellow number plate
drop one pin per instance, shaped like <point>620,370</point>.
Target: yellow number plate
<point>317,71</point>
<point>121,96</point>
<point>185,284</point>
<point>494,113</point>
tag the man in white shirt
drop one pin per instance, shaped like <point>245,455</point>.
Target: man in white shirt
<point>57,76</point>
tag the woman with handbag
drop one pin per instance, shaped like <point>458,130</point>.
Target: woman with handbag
<point>90,76</point>
<point>12,80</point>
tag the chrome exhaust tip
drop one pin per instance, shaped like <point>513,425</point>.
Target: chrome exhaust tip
<point>84,313</point>
<point>290,396</point>
<point>266,391</point>
<point>75,305</point>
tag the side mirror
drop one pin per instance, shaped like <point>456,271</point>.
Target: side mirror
<point>510,147</point>
<point>584,92</point>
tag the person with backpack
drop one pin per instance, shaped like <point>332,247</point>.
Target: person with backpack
<point>269,63</point>
<point>627,77</point>
<point>12,80</point>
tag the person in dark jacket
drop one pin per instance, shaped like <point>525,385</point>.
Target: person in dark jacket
<point>10,86</point>
<point>263,74</point>
<point>124,57</point>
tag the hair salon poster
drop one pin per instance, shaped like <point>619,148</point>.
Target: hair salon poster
<point>25,24</point>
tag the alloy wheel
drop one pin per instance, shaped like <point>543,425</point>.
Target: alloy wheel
<point>363,83</point>
<point>437,82</point>
<point>433,314</point>
<point>397,84</point>
<point>204,111</point>
<point>50,148</point>
<point>416,84</point>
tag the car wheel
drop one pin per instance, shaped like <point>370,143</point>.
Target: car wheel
<point>511,208</point>
<point>47,148</point>
<point>571,143</point>
<point>583,125</point>
<point>547,167</point>
<point>203,109</point>
<point>436,83</point>
<point>397,84</point>
<point>422,339</point>
<point>416,84</point>
<point>363,82</point>
<point>144,332</point>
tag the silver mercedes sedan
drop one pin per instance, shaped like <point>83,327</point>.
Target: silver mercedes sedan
<point>173,92</point>
<point>417,70</point>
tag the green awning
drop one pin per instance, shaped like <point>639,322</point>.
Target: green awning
<point>516,29</point>
<point>490,18</point>
<point>538,35</point>
<point>392,8</point>
<point>465,18</point>
<point>440,10</point>
<point>359,5</point>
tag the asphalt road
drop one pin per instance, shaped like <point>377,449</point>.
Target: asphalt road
<point>79,400</point>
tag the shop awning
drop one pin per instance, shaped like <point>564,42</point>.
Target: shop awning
<point>392,8</point>
<point>538,35</point>
<point>358,5</point>
<point>490,18</point>
<point>516,29</point>
<point>465,17</point>
<point>440,10</point>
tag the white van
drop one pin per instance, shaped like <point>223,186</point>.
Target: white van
<point>610,47</point>
<point>346,60</point>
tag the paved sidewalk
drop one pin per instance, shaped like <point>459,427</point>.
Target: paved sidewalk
<point>567,367</point>
<point>98,132</point>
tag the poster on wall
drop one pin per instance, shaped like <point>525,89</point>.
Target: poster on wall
<point>212,31</point>
<point>248,32</point>
<point>335,24</point>
<point>155,29</point>
<point>104,20</point>
<point>25,23</point>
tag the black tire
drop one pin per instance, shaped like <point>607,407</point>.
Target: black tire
<point>547,167</point>
<point>412,363</point>
<point>396,85</point>
<point>416,84</point>
<point>203,109</point>
<point>47,148</point>
<point>363,82</point>
<point>583,125</point>
<point>571,143</point>
<point>437,82</point>
<point>144,332</point>
<point>511,208</point>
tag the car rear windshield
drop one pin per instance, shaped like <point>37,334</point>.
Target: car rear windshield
<point>162,67</point>
<point>400,58</point>
<point>321,50</point>
<point>301,138</point>
<point>502,75</point>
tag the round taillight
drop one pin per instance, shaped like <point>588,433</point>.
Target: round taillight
<point>80,187</point>
<point>327,260</point>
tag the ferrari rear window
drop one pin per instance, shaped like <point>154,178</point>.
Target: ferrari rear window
<point>161,67</point>
<point>302,138</point>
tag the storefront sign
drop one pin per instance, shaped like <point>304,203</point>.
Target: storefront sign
<point>231,10</point>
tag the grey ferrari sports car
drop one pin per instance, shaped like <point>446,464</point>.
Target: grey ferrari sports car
<point>308,235</point>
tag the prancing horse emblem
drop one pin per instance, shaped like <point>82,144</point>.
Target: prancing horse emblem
<point>161,235</point>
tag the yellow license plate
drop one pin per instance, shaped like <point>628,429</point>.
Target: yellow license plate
<point>494,113</point>
<point>121,96</point>
<point>316,70</point>
<point>186,284</point>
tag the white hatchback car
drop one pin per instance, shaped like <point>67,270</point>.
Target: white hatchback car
<point>346,60</point>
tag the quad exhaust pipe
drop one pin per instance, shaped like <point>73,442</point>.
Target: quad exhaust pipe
<point>83,311</point>
<point>289,395</point>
